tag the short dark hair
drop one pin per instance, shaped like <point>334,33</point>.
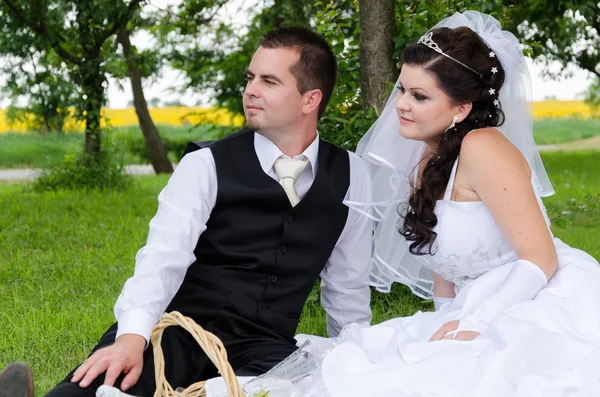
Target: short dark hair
<point>317,67</point>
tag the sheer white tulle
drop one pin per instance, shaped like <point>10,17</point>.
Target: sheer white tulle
<point>393,158</point>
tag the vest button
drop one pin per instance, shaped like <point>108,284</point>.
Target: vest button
<point>274,279</point>
<point>263,306</point>
<point>283,249</point>
<point>290,218</point>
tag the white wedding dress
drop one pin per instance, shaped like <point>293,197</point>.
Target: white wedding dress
<point>547,347</point>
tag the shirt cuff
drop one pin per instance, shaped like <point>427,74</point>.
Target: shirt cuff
<point>138,322</point>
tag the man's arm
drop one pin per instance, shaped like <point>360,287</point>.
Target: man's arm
<point>345,295</point>
<point>183,210</point>
<point>184,207</point>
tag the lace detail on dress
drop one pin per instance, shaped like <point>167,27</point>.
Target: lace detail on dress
<point>482,317</point>
<point>469,243</point>
<point>468,262</point>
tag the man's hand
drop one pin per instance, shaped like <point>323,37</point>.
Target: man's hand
<point>124,356</point>
<point>449,327</point>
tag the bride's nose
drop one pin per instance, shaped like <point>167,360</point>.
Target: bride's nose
<point>402,103</point>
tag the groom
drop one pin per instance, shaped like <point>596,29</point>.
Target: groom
<point>244,228</point>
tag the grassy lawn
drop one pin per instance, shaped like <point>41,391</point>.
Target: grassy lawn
<point>25,151</point>
<point>33,150</point>
<point>65,256</point>
<point>555,131</point>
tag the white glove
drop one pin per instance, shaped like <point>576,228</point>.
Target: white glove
<point>522,284</point>
<point>439,301</point>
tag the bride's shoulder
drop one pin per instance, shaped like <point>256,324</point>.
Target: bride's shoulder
<point>481,138</point>
<point>488,146</point>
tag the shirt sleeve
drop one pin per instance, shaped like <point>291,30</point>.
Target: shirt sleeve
<point>345,294</point>
<point>184,206</point>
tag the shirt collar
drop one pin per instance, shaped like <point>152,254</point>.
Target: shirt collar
<point>267,152</point>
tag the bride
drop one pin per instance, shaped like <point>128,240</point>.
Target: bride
<point>457,185</point>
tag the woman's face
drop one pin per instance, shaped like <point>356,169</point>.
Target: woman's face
<point>424,110</point>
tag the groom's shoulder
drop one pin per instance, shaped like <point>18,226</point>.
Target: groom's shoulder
<point>201,144</point>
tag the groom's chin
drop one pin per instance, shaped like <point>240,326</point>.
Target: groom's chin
<point>254,125</point>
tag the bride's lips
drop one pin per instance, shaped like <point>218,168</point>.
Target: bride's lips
<point>405,120</point>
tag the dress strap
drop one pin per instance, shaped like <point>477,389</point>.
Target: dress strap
<point>450,186</point>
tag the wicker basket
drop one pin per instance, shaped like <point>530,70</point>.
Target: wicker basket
<point>212,346</point>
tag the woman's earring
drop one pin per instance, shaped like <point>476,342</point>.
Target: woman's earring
<point>454,119</point>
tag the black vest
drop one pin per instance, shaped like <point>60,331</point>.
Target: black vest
<point>259,257</point>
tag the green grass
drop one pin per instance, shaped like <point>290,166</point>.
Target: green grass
<point>25,151</point>
<point>64,257</point>
<point>34,151</point>
<point>555,131</point>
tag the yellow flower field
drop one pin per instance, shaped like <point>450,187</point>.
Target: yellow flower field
<point>561,109</point>
<point>176,116</point>
<point>184,116</point>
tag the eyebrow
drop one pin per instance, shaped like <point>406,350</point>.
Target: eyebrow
<point>266,77</point>
<point>414,88</point>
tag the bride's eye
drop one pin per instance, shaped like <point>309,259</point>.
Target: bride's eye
<point>400,87</point>
<point>419,97</point>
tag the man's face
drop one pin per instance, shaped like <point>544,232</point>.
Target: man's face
<point>271,98</point>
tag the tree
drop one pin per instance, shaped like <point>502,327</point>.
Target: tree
<point>219,65</point>
<point>33,74</point>
<point>46,89</point>
<point>566,31</point>
<point>376,51</point>
<point>154,102</point>
<point>592,96</point>
<point>158,155</point>
<point>77,31</point>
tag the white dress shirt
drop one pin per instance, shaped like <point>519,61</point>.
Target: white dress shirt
<point>184,207</point>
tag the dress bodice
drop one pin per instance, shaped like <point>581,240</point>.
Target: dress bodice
<point>469,243</point>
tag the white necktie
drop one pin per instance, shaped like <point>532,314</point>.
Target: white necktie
<point>288,170</point>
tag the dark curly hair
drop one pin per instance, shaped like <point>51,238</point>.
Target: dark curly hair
<point>462,86</point>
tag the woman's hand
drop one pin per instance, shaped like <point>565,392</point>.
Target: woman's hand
<point>447,332</point>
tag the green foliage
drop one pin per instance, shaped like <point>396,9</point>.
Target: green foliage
<point>36,151</point>
<point>77,35</point>
<point>566,31</point>
<point>47,91</point>
<point>345,121</point>
<point>104,172</point>
<point>33,74</point>
<point>592,96</point>
<point>221,68</point>
<point>175,139</point>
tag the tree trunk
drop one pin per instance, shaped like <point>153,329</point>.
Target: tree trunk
<point>158,154</point>
<point>92,85</point>
<point>377,69</point>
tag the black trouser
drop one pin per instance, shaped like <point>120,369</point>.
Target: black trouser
<point>186,363</point>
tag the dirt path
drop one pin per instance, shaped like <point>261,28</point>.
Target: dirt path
<point>28,173</point>
<point>584,144</point>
